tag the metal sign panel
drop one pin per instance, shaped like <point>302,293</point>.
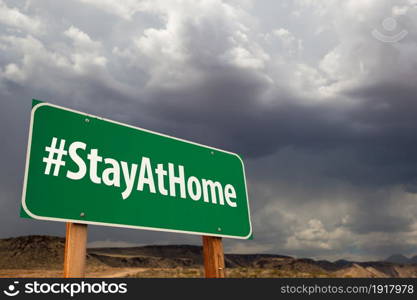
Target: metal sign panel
<point>85,169</point>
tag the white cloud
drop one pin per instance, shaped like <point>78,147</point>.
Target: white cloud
<point>359,58</point>
<point>315,236</point>
<point>81,39</point>
<point>37,63</point>
<point>241,57</point>
<point>290,43</point>
<point>124,9</point>
<point>13,73</point>
<point>180,52</point>
<point>32,53</point>
<point>86,52</point>
<point>16,19</point>
<point>400,10</point>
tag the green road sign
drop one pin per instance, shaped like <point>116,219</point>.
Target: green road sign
<point>85,169</point>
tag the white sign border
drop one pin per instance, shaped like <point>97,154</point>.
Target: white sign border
<point>32,215</point>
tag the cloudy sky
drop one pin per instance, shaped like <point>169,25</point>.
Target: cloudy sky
<point>319,97</point>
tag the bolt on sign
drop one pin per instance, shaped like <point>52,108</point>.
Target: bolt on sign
<point>85,169</point>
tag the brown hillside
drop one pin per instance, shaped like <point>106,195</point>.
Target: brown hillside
<point>46,253</point>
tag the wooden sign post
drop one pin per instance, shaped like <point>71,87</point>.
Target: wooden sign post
<point>214,266</point>
<point>75,250</point>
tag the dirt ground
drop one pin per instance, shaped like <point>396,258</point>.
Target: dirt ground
<point>103,273</point>
<point>109,272</point>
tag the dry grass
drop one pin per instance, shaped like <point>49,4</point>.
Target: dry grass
<point>230,273</point>
<point>101,272</point>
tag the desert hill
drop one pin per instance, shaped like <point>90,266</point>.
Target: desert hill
<point>46,253</point>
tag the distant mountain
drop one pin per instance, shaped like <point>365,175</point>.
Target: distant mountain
<point>413,260</point>
<point>46,253</point>
<point>398,259</point>
<point>343,263</point>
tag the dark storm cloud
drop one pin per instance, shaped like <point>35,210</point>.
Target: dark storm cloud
<point>228,104</point>
<point>374,143</point>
